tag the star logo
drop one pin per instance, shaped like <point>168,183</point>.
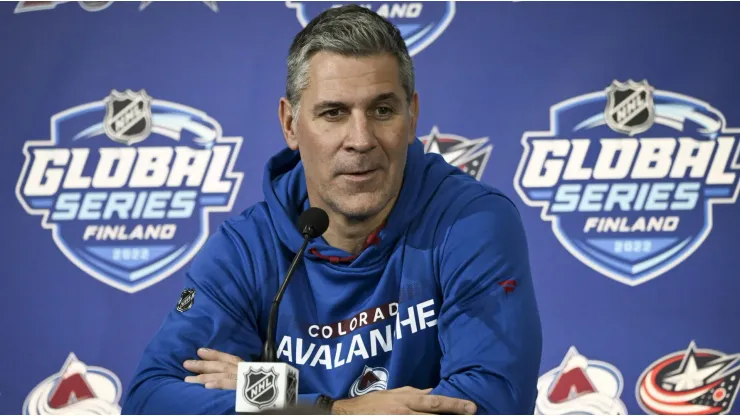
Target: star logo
<point>690,375</point>
<point>470,155</point>
<point>692,381</point>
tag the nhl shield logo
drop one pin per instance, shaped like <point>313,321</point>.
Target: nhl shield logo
<point>630,109</point>
<point>260,388</point>
<point>128,116</point>
<point>187,298</point>
<point>291,392</point>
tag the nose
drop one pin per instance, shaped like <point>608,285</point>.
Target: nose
<point>360,137</point>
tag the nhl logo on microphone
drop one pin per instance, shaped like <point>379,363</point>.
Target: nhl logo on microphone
<point>265,385</point>
<point>260,388</point>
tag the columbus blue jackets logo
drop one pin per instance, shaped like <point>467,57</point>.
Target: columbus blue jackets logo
<point>580,386</point>
<point>260,388</point>
<point>420,23</point>
<point>77,389</point>
<point>126,185</point>
<point>470,155</point>
<point>694,381</point>
<point>628,177</point>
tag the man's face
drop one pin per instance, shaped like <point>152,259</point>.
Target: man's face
<point>353,132</point>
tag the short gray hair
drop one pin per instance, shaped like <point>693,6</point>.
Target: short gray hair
<point>349,30</point>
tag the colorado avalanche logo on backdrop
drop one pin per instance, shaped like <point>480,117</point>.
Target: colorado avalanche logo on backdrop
<point>690,382</point>
<point>628,177</point>
<point>77,389</point>
<point>580,386</point>
<point>126,185</point>
<point>470,155</point>
<point>420,23</point>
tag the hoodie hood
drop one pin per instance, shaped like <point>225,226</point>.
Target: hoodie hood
<point>286,196</point>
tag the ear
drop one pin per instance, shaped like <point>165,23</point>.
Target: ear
<point>285,113</point>
<point>414,114</point>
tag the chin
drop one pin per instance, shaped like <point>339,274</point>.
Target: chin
<point>361,207</point>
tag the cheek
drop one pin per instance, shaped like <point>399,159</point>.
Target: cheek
<point>397,149</point>
<point>316,157</point>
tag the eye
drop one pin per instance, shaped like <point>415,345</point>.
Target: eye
<point>383,111</point>
<point>332,113</point>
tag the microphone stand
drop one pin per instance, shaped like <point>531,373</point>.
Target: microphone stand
<point>269,354</point>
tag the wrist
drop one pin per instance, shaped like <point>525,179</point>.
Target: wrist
<point>338,407</point>
<point>325,403</point>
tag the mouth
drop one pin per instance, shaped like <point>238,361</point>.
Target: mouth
<point>361,175</point>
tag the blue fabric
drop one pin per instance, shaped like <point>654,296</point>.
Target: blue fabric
<point>444,300</point>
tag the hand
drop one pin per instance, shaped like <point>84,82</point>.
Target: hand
<point>217,370</point>
<point>403,401</point>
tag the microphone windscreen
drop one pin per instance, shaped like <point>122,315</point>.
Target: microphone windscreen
<point>313,222</point>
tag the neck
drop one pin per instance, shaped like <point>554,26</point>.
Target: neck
<point>350,234</point>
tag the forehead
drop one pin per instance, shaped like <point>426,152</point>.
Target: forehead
<point>344,78</point>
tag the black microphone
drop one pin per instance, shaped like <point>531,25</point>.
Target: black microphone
<point>269,384</point>
<point>312,223</point>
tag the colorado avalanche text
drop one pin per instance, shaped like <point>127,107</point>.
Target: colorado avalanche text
<point>362,345</point>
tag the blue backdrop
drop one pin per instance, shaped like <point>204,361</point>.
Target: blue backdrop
<point>132,129</point>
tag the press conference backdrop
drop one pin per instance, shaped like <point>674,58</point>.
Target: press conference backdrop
<point>131,130</point>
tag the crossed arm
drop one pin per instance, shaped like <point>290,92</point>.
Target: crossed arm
<point>490,336</point>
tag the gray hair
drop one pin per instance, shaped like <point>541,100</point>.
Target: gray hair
<point>349,30</point>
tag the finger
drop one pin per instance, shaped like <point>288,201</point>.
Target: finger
<point>223,384</point>
<point>405,390</point>
<point>205,378</point>
<point>427,391</point>
<point>441,404</point>
<point>406,411</point>
<point>213,355</point>
<point>207,367</point>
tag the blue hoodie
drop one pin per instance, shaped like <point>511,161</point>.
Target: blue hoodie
<point>441,297</point>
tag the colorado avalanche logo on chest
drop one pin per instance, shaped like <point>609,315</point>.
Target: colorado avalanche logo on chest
<point>371,379</point>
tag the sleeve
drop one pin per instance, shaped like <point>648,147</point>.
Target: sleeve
<point>223,316</point>
<point>489,324</point>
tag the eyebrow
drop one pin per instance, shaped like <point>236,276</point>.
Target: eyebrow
<point>387,96</point>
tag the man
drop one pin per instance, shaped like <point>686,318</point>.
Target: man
<point>400,307</point>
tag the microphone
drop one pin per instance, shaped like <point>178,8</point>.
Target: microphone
<point>312,223</point>
<point>272,384</point>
